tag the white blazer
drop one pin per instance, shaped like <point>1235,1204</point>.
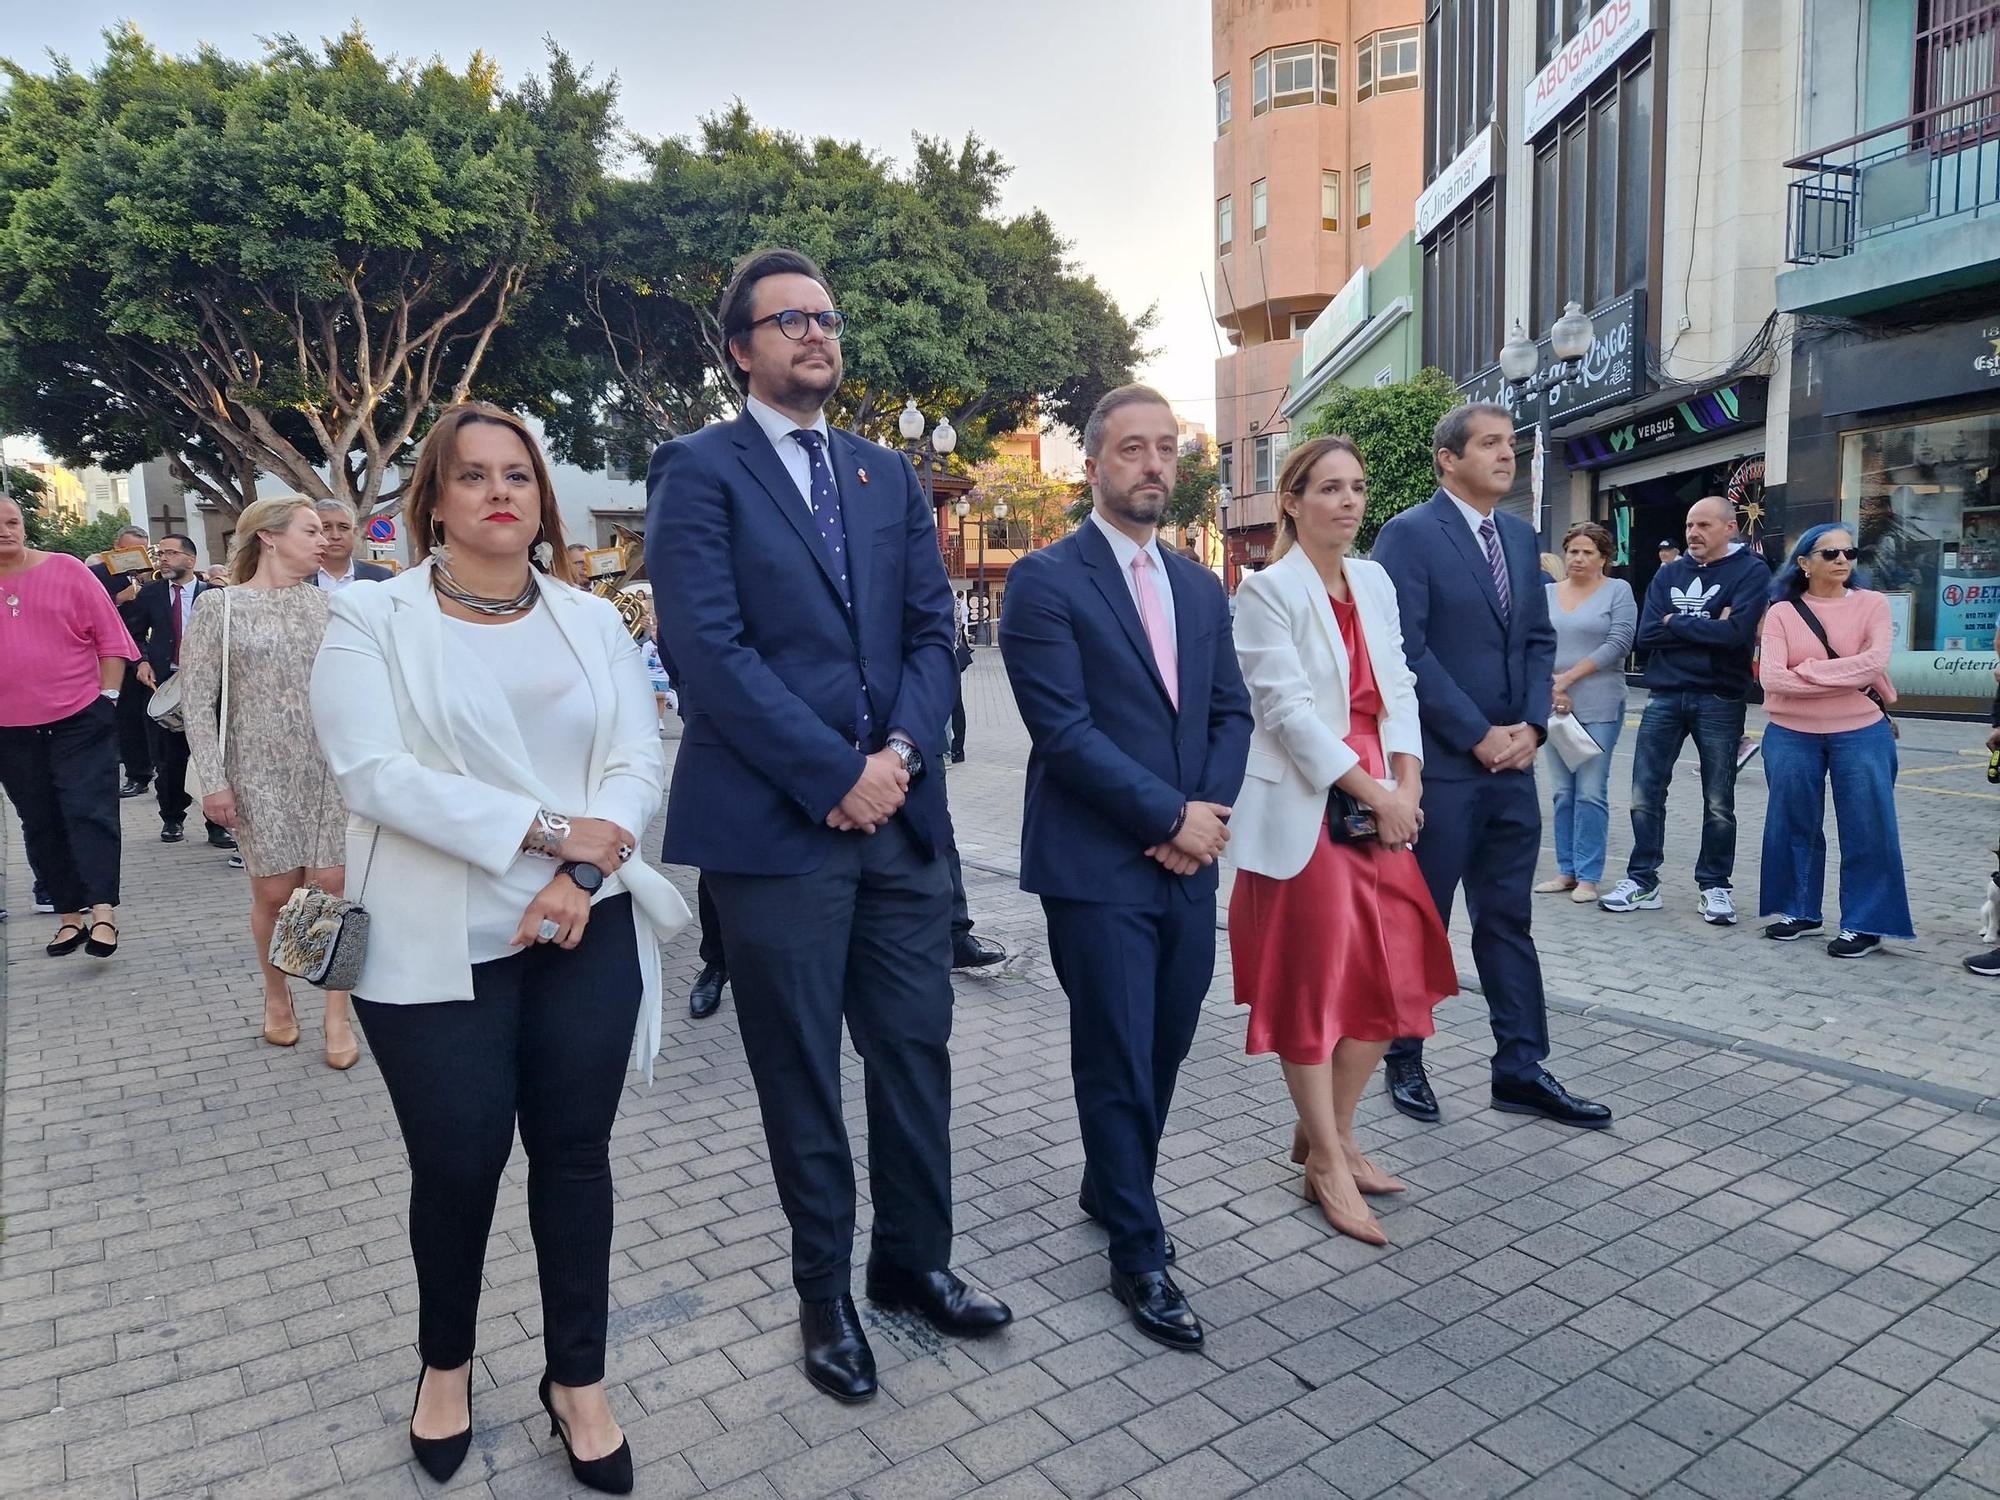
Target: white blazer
<point>1295,665</point>
<point>435,762</point>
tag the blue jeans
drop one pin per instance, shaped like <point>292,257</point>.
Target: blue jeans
<point>1862,765</point>
<point>1583,806</point>
<point>1716,724</point>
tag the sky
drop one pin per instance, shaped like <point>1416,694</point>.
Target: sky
<point>1101,106</point>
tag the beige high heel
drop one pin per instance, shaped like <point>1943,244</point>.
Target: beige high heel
<point>1369,1178</point>
<point>1365,1229</point>
<point>286,1035</point>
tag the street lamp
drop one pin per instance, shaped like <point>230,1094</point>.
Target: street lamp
<point>1569,340</point>
<point>964,509</point>
<point>944,438</point>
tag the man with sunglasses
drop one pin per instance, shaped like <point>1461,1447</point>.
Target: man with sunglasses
<point>1699,626</point>
<point>803,601</point>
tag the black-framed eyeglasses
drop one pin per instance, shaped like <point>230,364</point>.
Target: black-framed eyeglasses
<point>1835,554</point>
<point>792,322</point>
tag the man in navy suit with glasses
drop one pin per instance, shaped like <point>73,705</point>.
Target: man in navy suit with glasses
<point>803,601</point>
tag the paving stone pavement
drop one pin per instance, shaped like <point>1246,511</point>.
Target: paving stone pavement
<point>1766,1280</point>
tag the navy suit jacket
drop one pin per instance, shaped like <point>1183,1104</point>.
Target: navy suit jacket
<point>1112,761</point>
<point>153,623</point>
<point>1475,668</point>
<point>769,663</point>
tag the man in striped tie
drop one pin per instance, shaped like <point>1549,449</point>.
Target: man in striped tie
<point>1477,634</point>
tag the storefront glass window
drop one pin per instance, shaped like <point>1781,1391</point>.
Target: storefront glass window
<point>1926,498</point>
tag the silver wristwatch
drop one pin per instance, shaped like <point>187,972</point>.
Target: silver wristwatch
<point>909,755</point>
<point>550,833</point>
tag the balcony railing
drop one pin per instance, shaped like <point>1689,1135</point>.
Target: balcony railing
<point>1931,166</point>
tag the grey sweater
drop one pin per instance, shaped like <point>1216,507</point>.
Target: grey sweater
<point>1601,628</point>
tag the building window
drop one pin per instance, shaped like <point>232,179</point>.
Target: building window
<point>1303,73</point>
<point>1593,197</point>
<point>1397,60</point>
<point>1364,70</point>
<point>1461,315</point>
<point>1222,105</point>
<point>1260,208</point>
<point>1301,321</point>
<point>1364,197</point>
<point>1263,476</point>
<point>1225,225</point>
<point>1462,63</point>
<point>1225,465</point>
<point>1329,200</point>
<point>1556,21</point>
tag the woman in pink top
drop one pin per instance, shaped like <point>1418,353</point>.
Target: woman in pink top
<point>63,651</point>
<point>1825,647</point>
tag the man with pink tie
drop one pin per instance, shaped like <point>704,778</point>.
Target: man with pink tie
<point>1120,656</point>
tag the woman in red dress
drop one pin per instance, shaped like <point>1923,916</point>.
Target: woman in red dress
<point>1337,946</point>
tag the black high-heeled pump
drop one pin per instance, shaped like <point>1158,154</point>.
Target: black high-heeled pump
<point>611,1474</point>
<point>441,1457</point>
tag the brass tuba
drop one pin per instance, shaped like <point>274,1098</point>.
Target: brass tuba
<point>632,604</point>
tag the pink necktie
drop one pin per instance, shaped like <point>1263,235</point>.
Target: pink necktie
<point>1154,618</point>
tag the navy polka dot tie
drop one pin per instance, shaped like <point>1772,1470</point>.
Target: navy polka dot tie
<point>833,531</point>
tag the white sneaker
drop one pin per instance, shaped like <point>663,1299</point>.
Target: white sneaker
<point>1629,895</point>
<point>1717,906</point>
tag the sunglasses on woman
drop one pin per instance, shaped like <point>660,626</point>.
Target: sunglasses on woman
<point>1834,554</point>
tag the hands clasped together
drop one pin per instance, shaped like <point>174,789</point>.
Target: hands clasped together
<point>875,798</point>
<point>1508,747</point>
<point>1200,839</point>
<point>563,903</point>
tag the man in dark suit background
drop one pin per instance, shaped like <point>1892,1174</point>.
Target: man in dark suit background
<point>802,599</point>
<point>1121,659</point>
<point>1477,634</point>
<point>337,567</point>
<point>134,746</point>
<point>160,616</point>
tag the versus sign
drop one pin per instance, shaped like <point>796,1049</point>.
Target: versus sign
<point>1605,38</point>
<point>1469,171</point>
<point>1723,409</point>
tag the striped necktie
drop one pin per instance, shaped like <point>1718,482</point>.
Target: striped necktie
<point>1497,561</point>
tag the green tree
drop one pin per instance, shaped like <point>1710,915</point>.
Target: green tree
<point>1195,485</point>
<point>84,539</point>
<point>1033,499</point>
<point>1391,426</point>
<point>980,317</point>
<point>283,266</point>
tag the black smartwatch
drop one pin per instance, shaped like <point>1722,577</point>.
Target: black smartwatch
<point>587,877</point>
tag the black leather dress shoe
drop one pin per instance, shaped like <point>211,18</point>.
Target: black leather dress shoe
<point>1158,1309</point>
<point>838,1359</point>
<point>221,838</point>
<point>135,788</point>
<point>950,1305</point>
<point>705,999</point>
<point>969,952</point>
<point>1090,1212</point>
<point>1410,1088</point>
<point>1542,1095</point>
<point>172,831</point>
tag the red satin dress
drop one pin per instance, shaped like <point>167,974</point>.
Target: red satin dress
<point>1351,945</point>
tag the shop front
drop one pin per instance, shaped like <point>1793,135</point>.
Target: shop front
<point>1900,441</point>
<point>1651,459</point>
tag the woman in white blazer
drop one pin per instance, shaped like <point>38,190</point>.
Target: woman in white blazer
<point>493,733</point>
<point>1336,944</point>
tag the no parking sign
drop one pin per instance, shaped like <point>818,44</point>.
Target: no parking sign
<point>382,529</point>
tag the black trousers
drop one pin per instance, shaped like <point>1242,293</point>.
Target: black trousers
<point>170,763</point>
<point>961,909</point>
<point>863,938</point>
<point>1485,833</point>
<point>958,717</point>
<point>711,951</point>
<point>544,1042</point>
<point>134,746</point>
<point>63,781</point>
<point>1135,977</point>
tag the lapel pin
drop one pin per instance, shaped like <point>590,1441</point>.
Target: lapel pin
<point>864,475</point>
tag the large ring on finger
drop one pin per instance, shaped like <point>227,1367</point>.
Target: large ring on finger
<point>549,931</point>
<point>625,852</point>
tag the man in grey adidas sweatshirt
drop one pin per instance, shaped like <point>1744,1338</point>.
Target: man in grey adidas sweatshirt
<point>1700,623</point>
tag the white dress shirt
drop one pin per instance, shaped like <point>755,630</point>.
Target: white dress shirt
<point>1473,519</point>
<point>791,453</point>
<point>334,585</point>
<point>1125,549</point>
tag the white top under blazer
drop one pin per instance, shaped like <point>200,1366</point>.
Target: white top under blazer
<point>428,750</point>
<point>1295,665</point>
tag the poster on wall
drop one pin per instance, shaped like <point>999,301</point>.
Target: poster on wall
<point>1969,583</point>
<point>1902,617</point>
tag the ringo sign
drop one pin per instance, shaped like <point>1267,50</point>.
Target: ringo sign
<point>1603,40</point>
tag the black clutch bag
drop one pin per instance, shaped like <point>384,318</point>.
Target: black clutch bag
<point>1348,820</point>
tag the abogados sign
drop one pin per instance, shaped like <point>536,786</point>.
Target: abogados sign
<point>1606,37</point>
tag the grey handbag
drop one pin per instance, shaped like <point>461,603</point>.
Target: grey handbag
<point>321,938</point>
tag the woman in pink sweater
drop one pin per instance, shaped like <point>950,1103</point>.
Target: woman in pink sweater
<point>1825,647</point>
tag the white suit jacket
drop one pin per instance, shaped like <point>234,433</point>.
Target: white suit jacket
<point>435,762</point>
<point>1296,668</point>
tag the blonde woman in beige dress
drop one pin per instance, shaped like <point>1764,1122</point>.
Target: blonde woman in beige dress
<point>270,782</point>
